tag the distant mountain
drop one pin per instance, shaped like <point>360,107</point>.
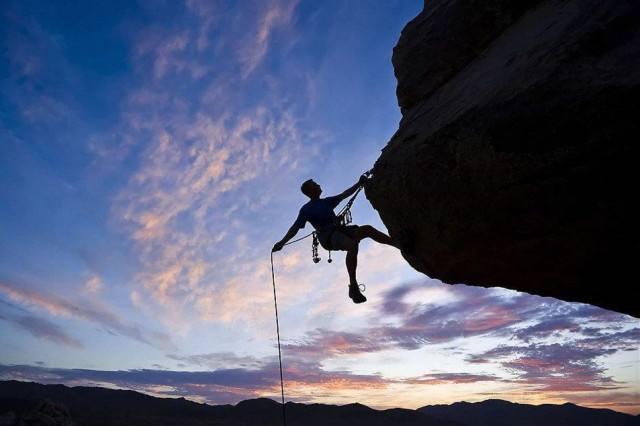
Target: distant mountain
<point>91,406</point>
<point>496,412</point>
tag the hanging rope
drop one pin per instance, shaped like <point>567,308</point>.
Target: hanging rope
<point>275,304</point>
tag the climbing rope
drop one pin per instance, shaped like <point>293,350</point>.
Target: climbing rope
<point>275,304</point>
<point>344,218</point>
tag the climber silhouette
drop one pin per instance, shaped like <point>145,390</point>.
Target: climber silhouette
<point>331,235</point>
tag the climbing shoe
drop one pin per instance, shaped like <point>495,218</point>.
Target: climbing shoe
<point>355,294</point>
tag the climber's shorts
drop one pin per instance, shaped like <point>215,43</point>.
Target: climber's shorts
<point>337,238</point>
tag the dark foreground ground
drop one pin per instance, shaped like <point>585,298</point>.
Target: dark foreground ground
<point>26,403</point>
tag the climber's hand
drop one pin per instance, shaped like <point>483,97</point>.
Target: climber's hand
<point>363,179</point>
<point>277,246</point>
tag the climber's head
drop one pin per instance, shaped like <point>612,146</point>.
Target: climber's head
<point>311,189</point>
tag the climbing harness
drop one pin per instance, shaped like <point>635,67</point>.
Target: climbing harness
<point>344,218</point>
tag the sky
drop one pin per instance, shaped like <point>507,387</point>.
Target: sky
<point>151,154</point>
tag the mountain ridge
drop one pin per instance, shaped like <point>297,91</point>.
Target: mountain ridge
<point>498,412</point>
<point>99,406</point>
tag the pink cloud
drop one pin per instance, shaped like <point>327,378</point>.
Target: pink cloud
<point>452,378</point>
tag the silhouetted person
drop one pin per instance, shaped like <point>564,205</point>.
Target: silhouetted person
<point>331,235</point>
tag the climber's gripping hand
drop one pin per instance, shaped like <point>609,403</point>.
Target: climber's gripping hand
<point>363,179</point>
<point>277,246</point>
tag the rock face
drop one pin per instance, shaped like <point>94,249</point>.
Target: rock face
<point>515,162</point>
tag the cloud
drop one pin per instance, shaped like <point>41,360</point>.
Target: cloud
<point>473,311</point>
<point>209,15</point>
<point>194,139</point>
<point>547,328</point>
<point>254,47</point>
<point>218,360</point>
<point>626,402</point>
<point>393,302</point>
<point>58,306</point>
<point>625,340</point>
<point>190,46</point>
<point>43,329</point>
<point>575,365</point>
<point>470,312</point>
<point>93,285</point>
<point>454,378</point>
<point>563,367</point>
<point>219,386</point>
<point>168,52</point>
<point>174,206</point>
<point>325,344</point>
<point>530,364</point>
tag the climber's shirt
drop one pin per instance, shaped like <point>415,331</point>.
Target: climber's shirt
<point>319,213</point>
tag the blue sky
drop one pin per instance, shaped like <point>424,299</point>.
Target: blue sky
<point>151,154</point>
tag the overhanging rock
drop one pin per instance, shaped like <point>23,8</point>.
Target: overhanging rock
<point>516,160</point>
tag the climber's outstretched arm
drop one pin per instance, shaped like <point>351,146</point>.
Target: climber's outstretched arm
<point>352,189</point>
<point>289,235</point>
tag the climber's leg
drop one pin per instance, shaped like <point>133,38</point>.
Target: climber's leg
<point>344,239</point>
<point>368,231</point>
<point>352,263</point>
<point>351,260</point>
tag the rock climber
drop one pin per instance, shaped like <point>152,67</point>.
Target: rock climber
<point>331,235</point>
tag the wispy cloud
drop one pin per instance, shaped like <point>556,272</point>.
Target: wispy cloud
<point>204,171</point>
<point>472,312</point>
<point>170,53</point>
<point>173,208</point>
<point>36,326</point>
<point>217,360</point>
<point>93,285</point>
<point>553,367</point>
<point>86,311</point>
<point>254,46</point>
<point>573,364</point>
<point>455,378</point>
<point>325,344</point>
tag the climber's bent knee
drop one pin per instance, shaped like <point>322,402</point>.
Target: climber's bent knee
<point>344,238</point>
<point>363,231</point>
